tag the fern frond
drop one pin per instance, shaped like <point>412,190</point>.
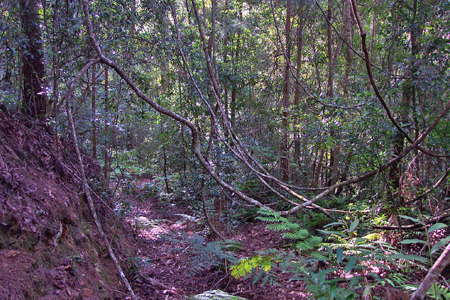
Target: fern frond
<point>297,235</point>
<point>283,226</point>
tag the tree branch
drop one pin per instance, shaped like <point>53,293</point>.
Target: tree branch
<point>433,273</point>
<point>86,188</point>
<point>195,144</point>
<point>380,98</point>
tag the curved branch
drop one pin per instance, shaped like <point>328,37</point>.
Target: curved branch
<point>363,36</point>
<point>195,144</point>
<point>438,183</point>
<point>367,175</point>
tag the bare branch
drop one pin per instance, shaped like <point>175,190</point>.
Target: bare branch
<point>433,273</point>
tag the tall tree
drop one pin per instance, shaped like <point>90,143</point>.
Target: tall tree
<point>297,92</point>
<point>33,70</point>
<point>284,149</point>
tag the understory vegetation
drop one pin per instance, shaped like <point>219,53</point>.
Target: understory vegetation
<point>323,122</point>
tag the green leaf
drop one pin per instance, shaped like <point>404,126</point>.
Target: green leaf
<point>353,225</point>
<point>412,241</point>
<point>351,264</point>
<point>437,226</point>
<point>339,255</point>
<point>333,224</point>
<point>417,221</point>
<point>327,232</point>
<point>440,244</point>
<point>298,235</point>
<point>410,257</point>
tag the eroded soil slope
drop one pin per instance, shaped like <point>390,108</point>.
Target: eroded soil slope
<point>49,246</point>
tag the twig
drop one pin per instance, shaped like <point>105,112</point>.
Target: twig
<point>438,183</point>
<point>415,226</point>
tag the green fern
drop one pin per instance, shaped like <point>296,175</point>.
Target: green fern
<point>310,243</point>
<point>293,231</point>
<point>438,292</point>
<point>284,226</point>
<point>205,255</point>
<point>297,235</point>
<point>248,265</point>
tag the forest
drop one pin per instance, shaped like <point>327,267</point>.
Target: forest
<point>224,149</point>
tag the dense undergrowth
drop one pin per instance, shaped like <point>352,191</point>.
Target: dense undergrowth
<point>343,255</point>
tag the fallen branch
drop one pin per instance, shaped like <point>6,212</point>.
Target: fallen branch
<point>87,190</point>
<point>433,273</point>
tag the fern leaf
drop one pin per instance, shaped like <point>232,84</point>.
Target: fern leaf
<point>298,235</point>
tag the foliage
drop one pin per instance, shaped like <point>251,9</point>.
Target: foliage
<point>246,266</point>
<point>324,289</point>
<point>438,292</point>
<point>301,237</point>
<point>206,255</point>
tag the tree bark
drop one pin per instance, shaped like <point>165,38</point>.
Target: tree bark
<point>94,111</point>
<point>33,70</point>
<point>284,147</point>
<point>348,37</point>
<point>297,91</point>
<point>330,90</point>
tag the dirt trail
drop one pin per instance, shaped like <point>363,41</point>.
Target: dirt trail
<point>167,273</point>
<point>51,249</point>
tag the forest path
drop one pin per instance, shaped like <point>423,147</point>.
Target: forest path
<point>164,268</point>
<point>160,271</point>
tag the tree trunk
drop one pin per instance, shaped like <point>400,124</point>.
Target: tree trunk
<point>33,70</point>
<point>284,149</point>
<point>330,90</point>
<point>331,175</point>
<point>348,36</point>
<point>94,112</point>
<point>297,91</point>
<point>106,153</point>
<point>406,103</point>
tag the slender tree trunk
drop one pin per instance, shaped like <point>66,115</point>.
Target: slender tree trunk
<point>33,70</point>
<point>406,103</point>
<point>284,149</point>
<point>94,112</point>
<point>330,91</point>
<point>297,91</point>
<point>106,153</point>
<point>166,179</point>
<point>331,174</point>
<point>348,36</point>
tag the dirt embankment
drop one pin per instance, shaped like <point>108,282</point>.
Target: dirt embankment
<point>49,245</point>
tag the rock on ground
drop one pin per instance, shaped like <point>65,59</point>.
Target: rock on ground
<point>215,295</point>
